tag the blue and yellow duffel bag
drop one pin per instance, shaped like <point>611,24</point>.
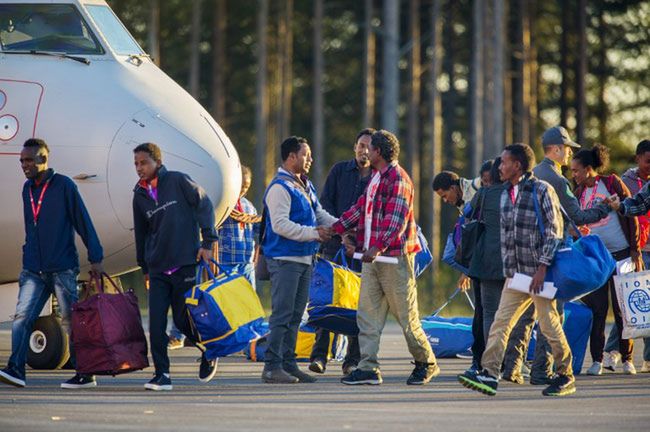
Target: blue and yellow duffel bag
<point>224,311</point>
<point>334,296</point>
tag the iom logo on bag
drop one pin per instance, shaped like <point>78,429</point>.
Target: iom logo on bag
<point>640,300</point>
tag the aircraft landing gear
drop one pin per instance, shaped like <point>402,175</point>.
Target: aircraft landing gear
<point>48,344</point>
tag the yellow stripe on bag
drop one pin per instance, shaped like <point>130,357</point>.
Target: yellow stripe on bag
<point>238,302</point>
<point>346,288</point>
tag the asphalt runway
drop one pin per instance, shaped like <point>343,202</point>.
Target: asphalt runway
<point>236,400</point>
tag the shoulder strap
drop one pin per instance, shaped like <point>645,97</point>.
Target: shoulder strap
<point>538,213</point>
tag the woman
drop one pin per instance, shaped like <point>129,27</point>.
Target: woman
<point>621,237</point>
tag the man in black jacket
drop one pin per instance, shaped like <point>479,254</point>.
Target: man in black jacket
<point>168,210</point>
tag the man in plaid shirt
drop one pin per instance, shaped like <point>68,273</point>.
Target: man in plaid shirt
<point>385,225</point>
<point>526,250</point>
<point>236,247</point>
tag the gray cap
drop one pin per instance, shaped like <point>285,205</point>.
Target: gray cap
<point>557,135</point>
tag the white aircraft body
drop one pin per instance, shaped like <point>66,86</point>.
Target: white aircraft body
<point>71,74</point>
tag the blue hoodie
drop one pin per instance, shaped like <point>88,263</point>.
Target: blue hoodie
<point>49,244</point>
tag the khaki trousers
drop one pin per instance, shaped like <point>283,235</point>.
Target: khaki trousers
<point>513,304</point>
<point>390,287</point>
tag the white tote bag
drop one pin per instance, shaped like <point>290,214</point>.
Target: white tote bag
<point>633,293</point>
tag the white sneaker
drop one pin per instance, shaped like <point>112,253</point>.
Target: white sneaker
<point>628,368</point>
<point>611,359</point>
<point>595,369</point>
<point>646,366</point>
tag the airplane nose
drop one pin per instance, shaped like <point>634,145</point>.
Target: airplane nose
<point>207,156</point>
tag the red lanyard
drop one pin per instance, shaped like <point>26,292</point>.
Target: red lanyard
<point>36,209</point>
<point>591,199</point>
<point>512,194</point>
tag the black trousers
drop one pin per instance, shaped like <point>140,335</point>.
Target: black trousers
<point>321,345</point>
<point>165,291</point>
<point>478,347</point>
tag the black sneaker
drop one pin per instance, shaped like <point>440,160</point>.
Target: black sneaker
<point>541,380</point>
<point>423,373</point>
<point>359,376</point>
<point>159,382</point>
<point>208,369</point>
<point>302,377</point>
<point>11,377</point>
<point>317,366</point>
<point>562,385</point>
<point>80,381</point>
<point>481,382</point>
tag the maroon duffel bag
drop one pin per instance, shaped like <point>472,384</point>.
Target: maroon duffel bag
<point>107,332</point>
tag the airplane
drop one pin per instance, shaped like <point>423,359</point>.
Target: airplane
<point>71,74</point>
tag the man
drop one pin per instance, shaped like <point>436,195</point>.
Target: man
<point>525,250</point>
<point>53,210</point>
<point>168,210</point>
<point>344,185</point>
<point>558,150</point>
<point>236,246</point>
<point>294,223</point>
<point>456,190</point>
<point>385,226</point>
<point>634,179</point>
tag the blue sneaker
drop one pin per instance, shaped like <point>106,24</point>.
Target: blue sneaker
<point>159,382</point>
<point>359,376</point>
<point>11,377</point>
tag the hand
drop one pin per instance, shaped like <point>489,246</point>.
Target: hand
<point>464,283</point>
<point>96,269</point>
<point>204,254</point>
<point>537,284</point>
<point>349,245</point>
<point>584,230</point>
<point>324,233</point>
<point>370,255</point>
<point>146,282</point>
<point>613,201</point>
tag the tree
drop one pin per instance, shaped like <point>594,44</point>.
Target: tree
<point>368,65</point>
<point>262,175</point>
<point>153,33</point>
<point>318,111</point>
<point>219,62</point>
<point>413,122</point>
<point>195,50</point>
<point>390,69</point>
<point>476,87</point>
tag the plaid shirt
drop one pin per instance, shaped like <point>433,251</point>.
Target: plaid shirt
<point>393,229</point>
<point>236,239</point>
<point>522,246</point>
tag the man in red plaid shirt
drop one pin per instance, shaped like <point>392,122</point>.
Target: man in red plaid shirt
<point>383,218</point>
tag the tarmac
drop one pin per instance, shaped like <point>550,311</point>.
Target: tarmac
<point>236,400</point>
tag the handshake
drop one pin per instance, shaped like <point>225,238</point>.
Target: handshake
<point>324,233</point>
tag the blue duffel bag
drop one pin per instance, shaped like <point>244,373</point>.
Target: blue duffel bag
<point>579,267</point>
<point>578,319</point>
<point>449,337</point>
<point>423,258</point>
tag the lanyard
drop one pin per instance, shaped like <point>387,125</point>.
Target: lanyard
<point>153,192</point>
<point>591,199</point>
<point>36,209</point>
<point>513,198</point>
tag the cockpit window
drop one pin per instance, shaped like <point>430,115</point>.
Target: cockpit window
<point>116,35</point>
<point>45,27</point>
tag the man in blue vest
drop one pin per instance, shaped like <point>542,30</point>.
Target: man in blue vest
<point>294,223</point>
<point>53,210</point>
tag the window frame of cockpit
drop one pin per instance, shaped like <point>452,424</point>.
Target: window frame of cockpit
<point>99,29</point>
<point>100,49</point>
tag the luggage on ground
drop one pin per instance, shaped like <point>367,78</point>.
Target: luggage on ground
<point>449,337</point>
<point>633,294</point>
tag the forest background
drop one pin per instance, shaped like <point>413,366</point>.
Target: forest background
<point>456,80</point>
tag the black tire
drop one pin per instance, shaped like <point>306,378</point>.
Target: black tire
<point>48,344</point>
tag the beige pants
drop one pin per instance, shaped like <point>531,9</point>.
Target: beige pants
<point>391,287</point>
<point>513,304</point>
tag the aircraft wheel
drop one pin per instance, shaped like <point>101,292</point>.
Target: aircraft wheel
<point>48,344</point>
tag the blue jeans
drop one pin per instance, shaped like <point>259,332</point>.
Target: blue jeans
<point>35,290</point>
<point>247,270</point>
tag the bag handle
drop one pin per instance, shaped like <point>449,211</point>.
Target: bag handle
<point>451,297</point>
<point>340,255</point>
<point>538,214</point>
<point>99,282</point>
<point>206,266</point>
<point>482,194</point>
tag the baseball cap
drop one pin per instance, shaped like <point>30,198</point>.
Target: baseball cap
<point>557,135</point>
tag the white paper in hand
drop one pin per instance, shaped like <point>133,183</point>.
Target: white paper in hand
<point>625,266</point>
<point>521,282</point>
<point>379,258</point>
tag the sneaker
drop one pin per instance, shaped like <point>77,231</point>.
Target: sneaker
<point>208,369</point>
<point>595,369</point>
<point>562,385</point>
<point>159,382</point>
<point>348,368</point>
<point>645,368</point>
<point>278,376</point>
<point>317,366</point>
<point>540,380</point>
<point>175,344</point>
<point>80,381</point>
<point>610,360</point>
<point>474,367</point>
<point>359,376</point>
<point>516,378</point>
<point>423,373</point>
<point>628,368</point>
<point>479,381</point>
<point>11,377</point>
<point>302,377</point>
